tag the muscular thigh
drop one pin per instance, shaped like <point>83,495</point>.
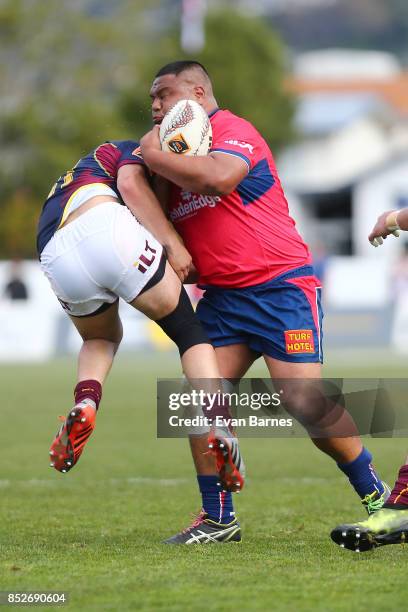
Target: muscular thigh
<point>287,369</point>
<point>302,388</point>
<point>234,360</point>
<point>103,326</point>
<point>161,299</point>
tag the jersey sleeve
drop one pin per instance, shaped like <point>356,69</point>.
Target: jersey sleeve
<point>130,153</point>
<point>111,155</point>
<point>238,138</point>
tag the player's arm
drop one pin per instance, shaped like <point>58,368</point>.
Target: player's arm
<point>212,174</point>
<point>390,222</point>
<point>161,188</point>
<point>141,201</point>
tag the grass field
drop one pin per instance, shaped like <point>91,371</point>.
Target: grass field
<point>96,532</point>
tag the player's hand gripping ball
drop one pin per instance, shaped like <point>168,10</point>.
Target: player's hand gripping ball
<point>186,129</point>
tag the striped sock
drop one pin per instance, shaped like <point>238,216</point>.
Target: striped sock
<point>362,475</point>
<point>216,502</point>
<point>88,390</point>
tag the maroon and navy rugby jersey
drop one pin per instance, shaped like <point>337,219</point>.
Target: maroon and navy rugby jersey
<point>100,166</point>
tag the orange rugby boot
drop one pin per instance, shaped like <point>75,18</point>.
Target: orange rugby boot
<point>72,437</point>
<point>224,446</point>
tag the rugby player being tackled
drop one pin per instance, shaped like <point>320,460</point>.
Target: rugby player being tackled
<point>94,251</point>
<point>261,294</point>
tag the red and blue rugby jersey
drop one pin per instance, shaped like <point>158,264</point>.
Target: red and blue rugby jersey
<point>100,166</point>
<point>247,237</point>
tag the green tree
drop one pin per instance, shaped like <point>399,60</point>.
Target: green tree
<point>246,61</point>
<point>18,222</point>
<point>77,73</point>
<point>63,64</point>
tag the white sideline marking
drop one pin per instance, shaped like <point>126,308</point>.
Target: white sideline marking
<point>145,480</point>
<point>163,482</point>
<point>309,480</point>
<point>137,480</point>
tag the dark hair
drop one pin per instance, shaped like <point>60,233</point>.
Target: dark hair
<point>179,66</point>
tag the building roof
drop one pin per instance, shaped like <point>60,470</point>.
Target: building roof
<point>393,90</point>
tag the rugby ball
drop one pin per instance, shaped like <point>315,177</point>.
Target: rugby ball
<point>186,129</point>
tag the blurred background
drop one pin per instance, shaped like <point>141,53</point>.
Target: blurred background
<point>325,81</point>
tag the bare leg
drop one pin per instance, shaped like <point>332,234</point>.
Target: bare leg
<point>341,449</point>
<point>198,362</point>
<point>233,362</point>
<point>101,336</point>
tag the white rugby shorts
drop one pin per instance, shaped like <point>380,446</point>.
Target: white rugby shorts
<point>103,254</point>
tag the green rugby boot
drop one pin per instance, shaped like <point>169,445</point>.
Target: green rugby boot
<point>386,526</point>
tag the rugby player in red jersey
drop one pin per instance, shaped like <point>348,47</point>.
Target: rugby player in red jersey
<point>261,294</point>
<point>94,251</point>
<point>390,524</point>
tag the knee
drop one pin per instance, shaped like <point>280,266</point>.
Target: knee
<point>306,404</point>
<point>112,336</point>
<point>183,326</point>
<point>294,403</point>
<point>168,305</point>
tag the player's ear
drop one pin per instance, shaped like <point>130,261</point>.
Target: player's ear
<point>199,93</point>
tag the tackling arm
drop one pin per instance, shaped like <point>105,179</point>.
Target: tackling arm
<point>212,174</point>
<point>161,187</point>
<point>141,201</point>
